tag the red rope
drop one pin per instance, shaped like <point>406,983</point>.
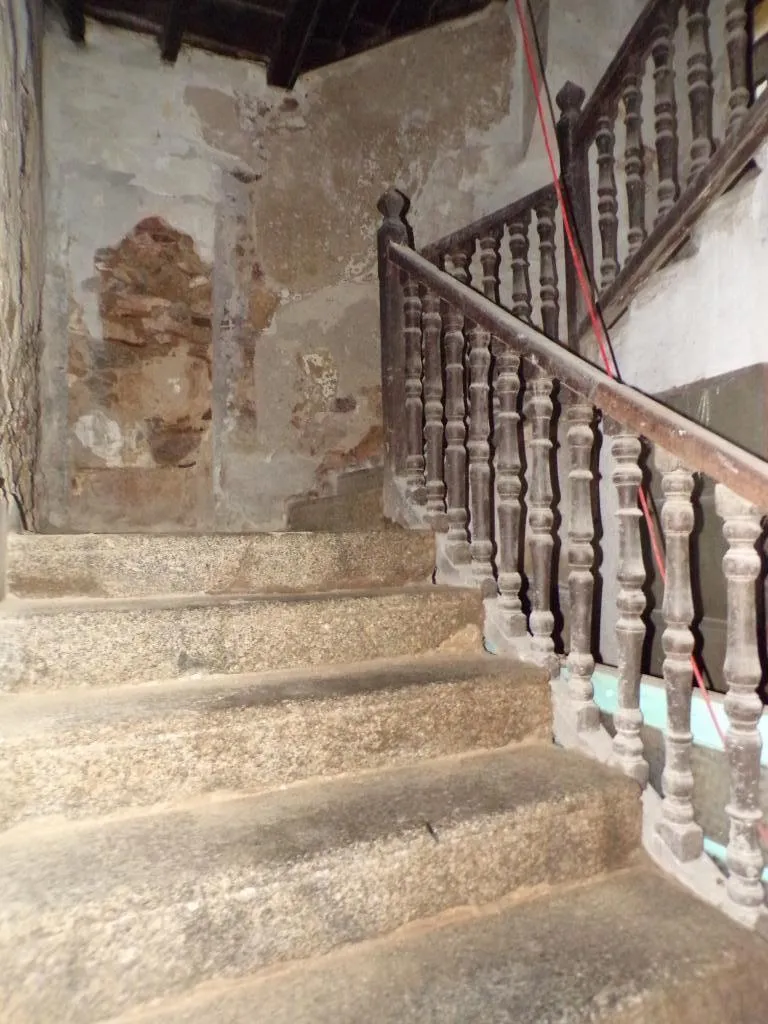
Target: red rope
<point>602,340</point>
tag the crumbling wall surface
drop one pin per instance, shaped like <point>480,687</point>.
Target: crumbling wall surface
<point>211,310</point>
<point>21,249</point>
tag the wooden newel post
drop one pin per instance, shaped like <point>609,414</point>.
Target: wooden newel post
<point>392,206</point>
<point>574,171</point>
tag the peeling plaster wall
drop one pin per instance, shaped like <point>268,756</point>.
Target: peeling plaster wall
<point>273,196</point>
<point>21,246</point>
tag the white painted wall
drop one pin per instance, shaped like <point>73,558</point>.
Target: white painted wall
<point>701,316</point>
<point>704,314</point>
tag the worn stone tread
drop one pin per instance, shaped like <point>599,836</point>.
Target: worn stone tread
<point>53,644</point>
<point>633,948</point>
<point>81,752</point>
<point>143,565</point>
<point>98,916</point>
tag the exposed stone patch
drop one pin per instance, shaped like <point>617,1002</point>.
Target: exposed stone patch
<point>140,396</point>
<point>367,452</point>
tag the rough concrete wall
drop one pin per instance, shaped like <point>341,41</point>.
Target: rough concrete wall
<point>270,197</point>
<point>21,254</point>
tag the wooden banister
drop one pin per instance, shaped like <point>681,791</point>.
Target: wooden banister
<point>479,228</point>
<point>696,446</point>
<point>480,466</point>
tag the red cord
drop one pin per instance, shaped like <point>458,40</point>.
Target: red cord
<point>597,324</point>
<point>602,340</point>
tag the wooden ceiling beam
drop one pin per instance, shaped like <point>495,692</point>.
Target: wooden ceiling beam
<point>172,34</point>
<point>351,12</point>
<point>295,36</point>
<point>74,15</point>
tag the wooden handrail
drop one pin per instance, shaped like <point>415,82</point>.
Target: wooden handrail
<point>478,228</point>
<point>696,446</point>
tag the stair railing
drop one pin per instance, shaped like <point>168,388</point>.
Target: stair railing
<point>482,485</point>
<point>638,199</point>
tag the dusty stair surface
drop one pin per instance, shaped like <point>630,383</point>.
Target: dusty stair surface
<point>632,948</point>
<point>145,565</point>
<point>100,915</point>
<point>117,610</point>
<point>80,752</point>
<point>214,816</point>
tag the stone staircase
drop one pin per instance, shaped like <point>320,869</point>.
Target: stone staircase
<point>276,778</point>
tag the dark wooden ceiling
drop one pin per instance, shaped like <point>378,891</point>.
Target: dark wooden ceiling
<point>289,36</point>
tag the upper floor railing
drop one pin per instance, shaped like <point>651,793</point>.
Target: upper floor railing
<point>633,195</point>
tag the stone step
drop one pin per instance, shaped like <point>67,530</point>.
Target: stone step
<point>630,949</point>
<point>52,644</point>
<point>99,916</point>
<point>86,752</point>
<point>141,565</point>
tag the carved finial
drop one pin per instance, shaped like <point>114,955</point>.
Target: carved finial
<point>393,205</point>
<point>570,98</point>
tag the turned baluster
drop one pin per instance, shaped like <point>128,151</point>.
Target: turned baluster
<point>550,297</point>
<point>414,409</point>
<point>699,85</point>
<point>392,206</point>
<point>737,44</point>
<point>574,169</point>
<point>509,486</point>
<point>630,629</point>
<point>490,244</point>
<point>581,561</point>
<point>607,205</point>
<point>434,437</point>
<point>455,414</point>
<point>741,566</point>
<point>538,409</point>
<point>521,282</point>
<point>677,828</point>
<point>481,547</point>
<point>665,106</point>
<point>634,154</point>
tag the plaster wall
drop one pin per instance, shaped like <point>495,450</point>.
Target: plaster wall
<point>211,307</point>
<point>21,248</point>
<point>211,352</point>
